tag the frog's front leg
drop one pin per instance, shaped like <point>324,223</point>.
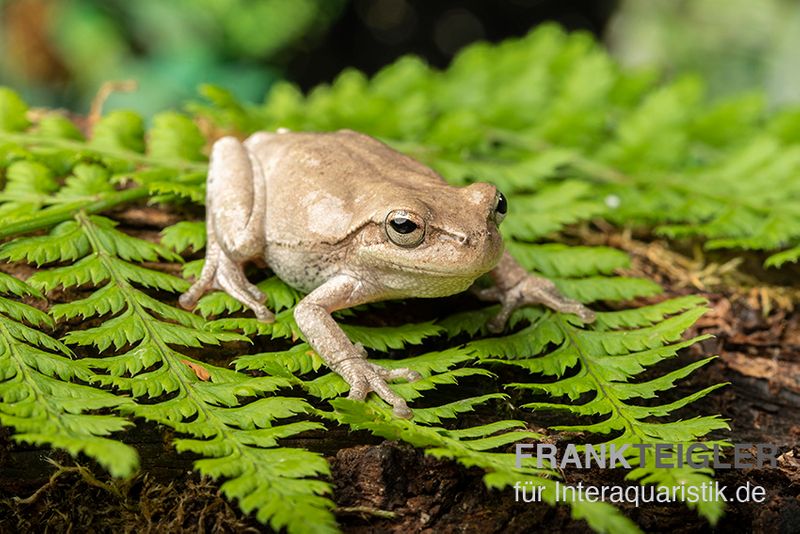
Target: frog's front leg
<point>515,287</point>
<point>235,211</point>
<point>313,316</point>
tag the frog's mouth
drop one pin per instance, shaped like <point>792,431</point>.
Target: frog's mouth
<point>475,273</point>
<point>437,262</point>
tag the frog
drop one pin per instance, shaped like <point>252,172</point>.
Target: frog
<point>347,220</point>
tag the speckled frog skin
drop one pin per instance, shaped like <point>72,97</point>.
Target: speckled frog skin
<point>348,220</point>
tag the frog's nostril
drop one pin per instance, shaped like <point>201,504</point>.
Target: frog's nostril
<point>458,237</point>
<point>463,239</point>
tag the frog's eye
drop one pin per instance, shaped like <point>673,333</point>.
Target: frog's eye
<point>500,207</point>
<point>404,228</point>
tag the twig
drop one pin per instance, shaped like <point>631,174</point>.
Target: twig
<point>368,510</point>
<point>84,473</point>
<point>96,111</point>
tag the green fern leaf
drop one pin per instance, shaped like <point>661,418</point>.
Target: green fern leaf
<point>184,235</point>
<point>199,400</point>
<point>39,400</point>
<point>604,361</point>
<point>28,188</point>
<point>175,136</point>
<point>560,261</point>
<point>12,111</point>
<point>84,184</point>
<point>117,130</point>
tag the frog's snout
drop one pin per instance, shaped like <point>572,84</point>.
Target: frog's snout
<point>488,200</point>
<point>481,194</point>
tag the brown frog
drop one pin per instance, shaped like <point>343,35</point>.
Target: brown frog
<point>348,220</point>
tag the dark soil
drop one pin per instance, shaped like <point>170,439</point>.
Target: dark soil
<point>385,486</point>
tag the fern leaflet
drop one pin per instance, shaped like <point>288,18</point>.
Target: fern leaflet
<point>40,396</point>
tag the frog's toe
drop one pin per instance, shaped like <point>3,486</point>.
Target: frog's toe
<point>233,282</point>
<point>573,306</point>
<point>203,284</point>
<point>254,292</point>
<point>498,323</point>
<point>586,315</point>
<point>364,377</point>
<point>263,314</point>
<point>188,300</point>
<point>393,374</point>
<point>378,384</point>
<point>359,390</point>
<point>402,411</point>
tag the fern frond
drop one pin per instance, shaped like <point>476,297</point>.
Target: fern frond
<point>560,261</point>
<point>604,362</point>
<point>39,399</point>
<point>13,111</point>
<point>594,288</point>
<point>383,338</point>
<point>550,209</point>
<point>452,409</point>
<point>29,185</point>
<point>300,359</point>
<point>119,130</point>
<point>165,185</point>
<point>238,442</point>
<point>785,256</point>
<point>33,199</point>
<point>174,135</point>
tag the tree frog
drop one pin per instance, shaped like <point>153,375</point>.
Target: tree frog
<point>348,220</point>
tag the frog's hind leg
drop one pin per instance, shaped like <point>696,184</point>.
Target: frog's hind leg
<point>205,282</point>
<point>232,280</point>
<point>220,272</point>
<point>235,204</point>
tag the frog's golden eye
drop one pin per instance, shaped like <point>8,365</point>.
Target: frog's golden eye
<point>500,207</point>
<point>404,228</point>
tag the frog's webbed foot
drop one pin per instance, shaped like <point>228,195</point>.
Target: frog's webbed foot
<point>531,290</point>
<point>515,287</point>
<point>364,376</point>
<point>220,272</point>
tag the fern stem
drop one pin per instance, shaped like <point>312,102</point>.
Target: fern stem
<point>54,216</point>
<point>587,363</point>
<point>119,153</point>
<point>166,355</point>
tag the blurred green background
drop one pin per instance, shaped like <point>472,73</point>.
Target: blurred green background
<point>59,52</point>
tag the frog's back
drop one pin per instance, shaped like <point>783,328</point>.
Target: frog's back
<point>322,187</point>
